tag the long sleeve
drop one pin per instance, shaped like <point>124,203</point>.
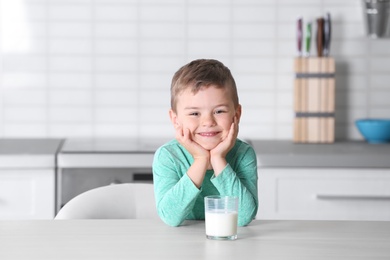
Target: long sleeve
<point>175,193</point>
<point>178,199</point>
<point>242,183</point>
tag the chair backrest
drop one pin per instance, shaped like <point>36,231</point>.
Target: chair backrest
<point>118,201</point>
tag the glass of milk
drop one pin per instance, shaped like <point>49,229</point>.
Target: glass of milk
<point>221,215</point>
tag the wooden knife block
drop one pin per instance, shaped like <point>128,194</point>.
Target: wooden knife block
<point>314,100</point>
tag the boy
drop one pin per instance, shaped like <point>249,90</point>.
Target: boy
<point>206,158</point>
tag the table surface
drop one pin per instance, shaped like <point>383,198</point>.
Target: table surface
<point>152,239</point>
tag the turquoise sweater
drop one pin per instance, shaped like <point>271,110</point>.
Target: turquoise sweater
<point>178,199</point>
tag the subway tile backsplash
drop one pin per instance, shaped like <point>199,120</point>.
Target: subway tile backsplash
<point>102,68</point>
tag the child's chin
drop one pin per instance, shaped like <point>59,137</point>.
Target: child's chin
<point>209,146</point>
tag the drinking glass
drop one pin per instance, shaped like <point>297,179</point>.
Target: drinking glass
<point>221,216</point>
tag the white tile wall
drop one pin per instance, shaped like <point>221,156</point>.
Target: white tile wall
<point>90,68</point>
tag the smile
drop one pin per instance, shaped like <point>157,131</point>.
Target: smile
<point>208,134</point>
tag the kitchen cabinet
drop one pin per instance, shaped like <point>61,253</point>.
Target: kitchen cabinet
<point>341,181</point>
<point>324,194</point>
<point>27,178</point>
<point>27,194</point>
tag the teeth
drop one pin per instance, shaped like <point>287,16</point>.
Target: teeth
<point>208,134</point>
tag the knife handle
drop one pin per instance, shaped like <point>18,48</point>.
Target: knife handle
<point>299,36</point>
<point>327,34</point>
<point>320,36</point>
<point>308,38</point>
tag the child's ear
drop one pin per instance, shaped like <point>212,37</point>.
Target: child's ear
<point>238,113</point>
<point>173,117</point>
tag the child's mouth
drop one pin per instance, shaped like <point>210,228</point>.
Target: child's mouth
<point>208,134</point>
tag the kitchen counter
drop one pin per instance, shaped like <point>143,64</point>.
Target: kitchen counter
<point>348,154</point>
<point>339,181</point>
<point>87,163</point>
<point>107,145</point>
<point>29,153</point>
<point>152,239</point>
<point>131,152</point>
<point>108,152</point>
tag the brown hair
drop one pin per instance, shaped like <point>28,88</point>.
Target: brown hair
<point>202,73</point>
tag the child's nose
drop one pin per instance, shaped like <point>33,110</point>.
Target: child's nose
<point>208,120</point>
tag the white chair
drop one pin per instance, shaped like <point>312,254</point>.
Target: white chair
<point>118,201</point>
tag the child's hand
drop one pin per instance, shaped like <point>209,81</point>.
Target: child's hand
<point>219,153</point>
<point>183,136</point>
<point>224,147</point>
<point>201,156</point>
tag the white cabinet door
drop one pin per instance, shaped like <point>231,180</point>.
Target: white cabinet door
<point>27,194</point>
<point>326,194</point>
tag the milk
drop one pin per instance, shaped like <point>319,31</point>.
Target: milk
<point>221,223</point>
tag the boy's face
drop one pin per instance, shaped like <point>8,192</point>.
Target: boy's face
<point>208,114</point>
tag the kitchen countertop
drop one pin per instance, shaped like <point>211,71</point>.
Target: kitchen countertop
<point>349,154</point>
<point>152,239</point>
<point>29,153</point>
<point>131,152</point>
<point>111,145</point>
<point>108,152</point>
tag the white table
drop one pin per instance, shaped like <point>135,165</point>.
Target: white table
<point>152,239</point>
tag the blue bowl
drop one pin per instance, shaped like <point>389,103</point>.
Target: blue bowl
<point>375,131</point>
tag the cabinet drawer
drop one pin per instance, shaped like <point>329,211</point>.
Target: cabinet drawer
<point>339,194</point>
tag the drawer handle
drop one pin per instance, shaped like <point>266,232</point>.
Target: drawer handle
<point>351,197</point>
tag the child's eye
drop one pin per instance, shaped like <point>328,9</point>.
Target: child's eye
<point>220,111</point>
<point>194,114</point>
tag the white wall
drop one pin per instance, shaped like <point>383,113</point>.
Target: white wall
<point>91,68</point>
